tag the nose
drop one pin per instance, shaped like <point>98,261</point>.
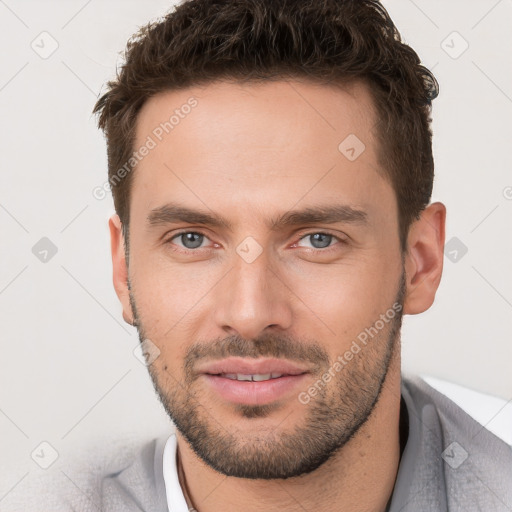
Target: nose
<point>251,298</point>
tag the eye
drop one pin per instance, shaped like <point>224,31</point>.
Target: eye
<point>190,240</point>
<point>320,240</point>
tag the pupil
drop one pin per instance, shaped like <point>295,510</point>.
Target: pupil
<point>326,240</point>
<point>189,237</point>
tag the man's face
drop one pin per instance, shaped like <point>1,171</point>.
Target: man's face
<point>265,293</point>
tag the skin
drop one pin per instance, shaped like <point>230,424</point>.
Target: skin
<point>249,153</point>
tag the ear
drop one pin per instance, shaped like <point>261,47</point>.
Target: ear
<point>424,258</point>
<point>119,267</point>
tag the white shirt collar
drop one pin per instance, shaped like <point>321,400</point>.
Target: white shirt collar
<point>175,498</point>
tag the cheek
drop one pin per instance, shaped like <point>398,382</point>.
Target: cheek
<point>344,299</point>
<point>164,278</point>
<point>168,295</point>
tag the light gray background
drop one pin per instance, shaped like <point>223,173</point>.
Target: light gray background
<point>68,373</point>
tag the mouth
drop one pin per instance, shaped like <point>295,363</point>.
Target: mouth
<point>253,382</point>
<point>258,377</point>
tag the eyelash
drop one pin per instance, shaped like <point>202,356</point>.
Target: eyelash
<point>323,250</point>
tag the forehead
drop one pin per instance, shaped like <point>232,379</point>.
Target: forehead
<point>265,144</point>
<point>227,112</point>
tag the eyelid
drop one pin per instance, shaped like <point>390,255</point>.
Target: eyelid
<point>340,236</point>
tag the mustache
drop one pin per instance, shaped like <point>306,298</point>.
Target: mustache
<point>276,346</point>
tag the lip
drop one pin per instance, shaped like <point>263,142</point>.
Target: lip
<point>252,366</point>
<point>253,392</point>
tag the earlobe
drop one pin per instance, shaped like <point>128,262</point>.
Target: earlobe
<point>119,267</point>
<point>424,258</point>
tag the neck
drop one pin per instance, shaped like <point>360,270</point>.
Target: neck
<point>358,477</point>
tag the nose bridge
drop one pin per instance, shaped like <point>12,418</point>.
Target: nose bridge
<point>252,297</point>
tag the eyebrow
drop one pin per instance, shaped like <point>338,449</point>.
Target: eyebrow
<point>172,213</point>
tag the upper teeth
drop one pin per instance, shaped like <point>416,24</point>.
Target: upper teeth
<point>255,377</point>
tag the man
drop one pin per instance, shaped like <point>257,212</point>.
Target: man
<point>271,168</point>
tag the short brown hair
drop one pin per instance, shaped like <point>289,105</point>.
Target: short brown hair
<point>326,41</point>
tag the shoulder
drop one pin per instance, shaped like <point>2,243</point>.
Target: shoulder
<point>139,482</point>
<point>461,409</point>
<point>126,477</point>
<point>476,464</point>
